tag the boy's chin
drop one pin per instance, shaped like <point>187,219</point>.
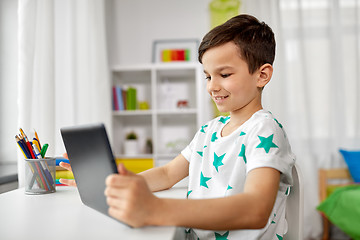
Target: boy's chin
<point>222,109</point>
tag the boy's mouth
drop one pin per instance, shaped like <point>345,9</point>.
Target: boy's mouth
<point>219,99</point>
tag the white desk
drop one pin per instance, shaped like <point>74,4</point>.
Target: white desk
<point>62,215</point>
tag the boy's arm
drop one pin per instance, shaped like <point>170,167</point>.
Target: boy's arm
<point>248,210</point>
<point>166,176</point>
<point>158,179</point>
<point>131,201</point>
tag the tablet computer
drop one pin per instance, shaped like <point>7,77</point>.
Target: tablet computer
<point>91,160</point>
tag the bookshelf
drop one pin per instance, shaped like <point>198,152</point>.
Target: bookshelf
<point>176,95</point>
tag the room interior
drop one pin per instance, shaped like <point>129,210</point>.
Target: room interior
<point>60,67</point>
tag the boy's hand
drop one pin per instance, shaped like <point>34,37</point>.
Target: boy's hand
<point>67,166</point>
<point>129,198</point>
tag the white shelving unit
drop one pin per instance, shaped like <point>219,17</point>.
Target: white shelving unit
<point>162,85</point>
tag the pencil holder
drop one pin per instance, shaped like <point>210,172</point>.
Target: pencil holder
<point>40,176</point>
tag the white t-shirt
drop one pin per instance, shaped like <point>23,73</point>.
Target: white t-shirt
<point>219,166</point>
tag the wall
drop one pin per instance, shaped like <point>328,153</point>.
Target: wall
<point>134,24</point>
<point>8,80</point>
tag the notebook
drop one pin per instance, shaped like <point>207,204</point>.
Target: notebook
<point>91,160</point>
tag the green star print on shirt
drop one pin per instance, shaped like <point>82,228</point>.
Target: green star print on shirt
<point>242,152</point>
<point>203,180</point>
<point>218,236</point>
<point>213,137</point>
<point>223,119</point>
<point>218,161</point>
<point>203,128</point>
<point>267,143</point>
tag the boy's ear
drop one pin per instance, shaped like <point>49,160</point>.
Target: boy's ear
<point>265,73</point>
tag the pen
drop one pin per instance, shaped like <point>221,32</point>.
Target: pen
<point>36,151</point>
<point>41,174</point>
<point>43,170</point>
<point>20,145</point>
<point>23,134</point>
<point>35,176</point>
<point>43,150</point>
<point>38,139</point>
<point>24,147</point>
<point>28,144</point>
<point>37,143</point>
<point>39,168</point>
<point>45,167</point>
<point>25,151</point>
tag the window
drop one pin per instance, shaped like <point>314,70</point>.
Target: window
<point>8,80</point>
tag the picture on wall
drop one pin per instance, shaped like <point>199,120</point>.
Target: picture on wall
<point>175,50</point>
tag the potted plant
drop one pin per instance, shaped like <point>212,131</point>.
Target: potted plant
<point>131,144</point>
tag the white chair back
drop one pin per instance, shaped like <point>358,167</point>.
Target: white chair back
<point>295,207</point>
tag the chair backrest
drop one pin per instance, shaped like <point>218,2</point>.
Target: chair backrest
<point>295,207</point>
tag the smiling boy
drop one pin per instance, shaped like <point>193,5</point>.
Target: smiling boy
<point>239,167</point>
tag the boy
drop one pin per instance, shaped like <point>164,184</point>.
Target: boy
<point>239,167</point>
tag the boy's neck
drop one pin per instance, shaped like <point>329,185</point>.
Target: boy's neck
<point>238,118</point>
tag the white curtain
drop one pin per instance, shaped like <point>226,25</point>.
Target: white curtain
<point>63,69</point>
<point>316,84</point>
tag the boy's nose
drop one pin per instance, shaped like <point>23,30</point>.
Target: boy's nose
<point>213,86</point>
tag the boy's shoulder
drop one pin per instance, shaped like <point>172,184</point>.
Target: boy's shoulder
<point>262,115</point>
<point>263,120</point>
<point>265,127</point>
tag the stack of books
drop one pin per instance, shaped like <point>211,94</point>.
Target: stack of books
<point>124,99</point>
<point>62,172</point>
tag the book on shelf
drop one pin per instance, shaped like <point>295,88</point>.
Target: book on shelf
<point>124,99</point>
<point>124,95</point>
<point>119,96</point>
<point>115,98</point>
<point>131,99</point>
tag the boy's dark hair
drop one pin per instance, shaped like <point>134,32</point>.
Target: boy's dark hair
<point>255,40</point>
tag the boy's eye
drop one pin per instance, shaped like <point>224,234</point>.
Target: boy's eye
<point>208,78</point>
<point>225,75</point>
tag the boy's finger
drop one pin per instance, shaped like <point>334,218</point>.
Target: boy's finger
<point>68,182</point>
<point>114,202</point>
<point>123,171</point>
<point>115,192</point>
<point>65,156</point>
<point>65,165</point>
<point>117,180</point>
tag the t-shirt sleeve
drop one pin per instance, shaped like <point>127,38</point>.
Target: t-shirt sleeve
<point>267,146</point>
<point>187,151</point>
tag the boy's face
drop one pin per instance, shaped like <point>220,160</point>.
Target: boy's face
<point>229,82</point>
